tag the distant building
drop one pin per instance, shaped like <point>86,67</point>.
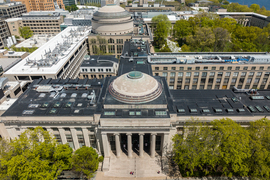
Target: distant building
<point>14,25</point>
<point>37,40</point>
<point>45,23</point>
<point>81,17</point>
<point>4,34</point>
<point>4,53</point>
<point>217,9</point>
<point>147,7</point>
<point>111,27</point>
<point>42,5</point>
<point>12,10</point>
<point>68,2</point>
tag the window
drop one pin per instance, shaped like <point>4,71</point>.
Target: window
<point>227,74</point>
<point>220,74</point>
<point>165,68</point>
<point>261,68</point>
<point>259,73</point>
<point>26,112</point>
<point>245,68</point>
<point>70,141</point>
<point>243,74</point>
<point>196,74</point>
<point>233,80</point>
<point>204,74</point>
<point>237,68</point>
<point>230,68</point>
<point>249,80</point>
<point>92,140</point>
<point>189,68</point>
<point>180,74</point>
<point>81,140</point>
<point>251,74</point>
<point>181,68</point>
<point>119,49</point>
<point>212,74</point>
<point>156,68</point>
<point>205,68</point>
<point>256,80</point>
<point>188,74</point>
<point>172,74</point>
<point>110,40</point>
<point>111,48</point>
<point>187,80</point>
<point>195,80</point>
<point>253,68</point>
<point>213,68</point>
<point>109,113</point>
<point>119,41</point>
<point>164,74</point>
<point>235,74</point>
<point>197,68</point>
<point>173,68</point>
<point>161,113</point>
<point>218,80</point>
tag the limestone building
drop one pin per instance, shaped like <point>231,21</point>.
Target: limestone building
<point>12,10</point>
<point>42,5</point>
<point>111,27</point>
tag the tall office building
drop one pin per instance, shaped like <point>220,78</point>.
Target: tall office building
<point>45,5</point>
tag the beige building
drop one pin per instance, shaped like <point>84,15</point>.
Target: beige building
<point>210,71</point>
<point>111,27</point>
<point>14,25</point>
<point>4,53</point>
<point>43,24</point>
<point>41,5</point>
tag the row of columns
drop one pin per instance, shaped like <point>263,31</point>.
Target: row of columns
<point>129,144</point>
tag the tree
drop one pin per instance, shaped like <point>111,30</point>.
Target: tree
<point>255,7</point>
<point>165,48</point>
<point>161,33</point>
<point>203,40</point>
<point>85,161</point>
<point>162,18</point>
<point>260,148</point>
<point>222,37</point>
<point>72,8</point>
<point>181,29</point>
<point>233,149</point>
<point>25,32</point>
<point>35,155</point>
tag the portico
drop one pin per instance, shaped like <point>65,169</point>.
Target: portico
<point>139,143</point>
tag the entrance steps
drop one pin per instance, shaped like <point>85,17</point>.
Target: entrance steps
<point>141,166</point>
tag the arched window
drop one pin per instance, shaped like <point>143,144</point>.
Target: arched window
<point>110,40</point>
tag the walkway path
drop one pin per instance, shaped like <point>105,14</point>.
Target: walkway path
<point>142,167</point>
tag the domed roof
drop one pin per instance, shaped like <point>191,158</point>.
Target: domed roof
<point>135,87</point>
<point>112,12</point>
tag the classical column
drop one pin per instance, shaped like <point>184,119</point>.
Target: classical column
<point>117,144</point>
<point>165,145</point>
<point>86,137</point>
<point>105,145</point>
<point>129,145</point>
<point>62,135</point>
<point>141,144</point>
<point>75,138</point>
<point>153,145</point>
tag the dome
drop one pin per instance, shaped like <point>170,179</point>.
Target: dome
<point>135,88</point>
<point>112,20</point>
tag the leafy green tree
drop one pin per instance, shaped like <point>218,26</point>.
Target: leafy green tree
<point>35,155</point>
<point>162,18</point>
<point>85,161</point>
<point>260,148</point>
<point>181,30</point>
<point>161,33</point>
<point>25,32</point>
<point>203,40</point>
<point>165,48</point>
<point>222,38</point>
<point>234,149</point>
<point>72,8</point>
<point>255,7</point>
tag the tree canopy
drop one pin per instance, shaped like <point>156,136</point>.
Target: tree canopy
<point>223,148</point>
<point>34,155</point>
<point>85,161</point>
<point>208,33</point>
<point>25,32</point>
<point>72,8</point>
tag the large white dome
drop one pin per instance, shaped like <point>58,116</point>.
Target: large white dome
<point>112,20</point>
<point>135,88</point>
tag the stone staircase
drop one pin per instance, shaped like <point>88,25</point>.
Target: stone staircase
<point>142,167</point>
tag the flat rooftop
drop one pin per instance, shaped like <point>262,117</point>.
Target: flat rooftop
<point>7,63</point>
<point>58,97</point>
<point>50,57</point>
<point>35,41</point>
<point>221,103</point>
<point>13,19</point>
<point>99,61</point>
